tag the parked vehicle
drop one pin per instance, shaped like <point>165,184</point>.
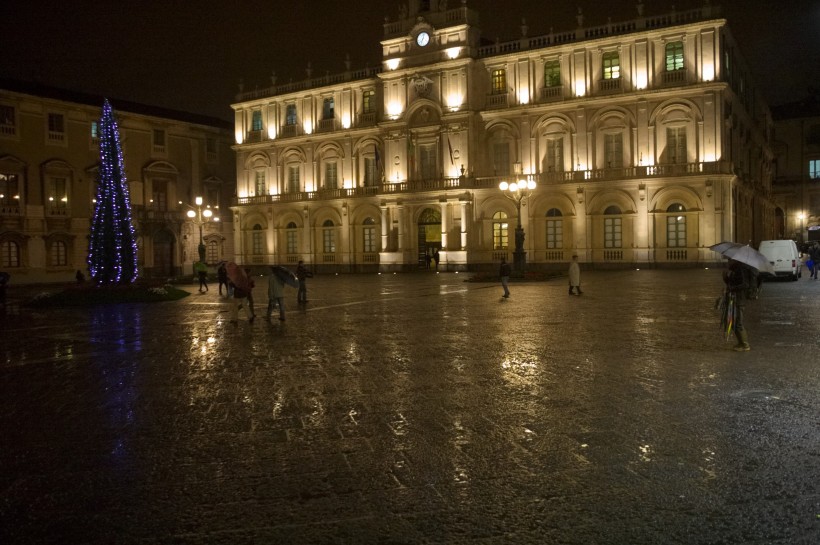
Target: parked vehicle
<point>784,257</point>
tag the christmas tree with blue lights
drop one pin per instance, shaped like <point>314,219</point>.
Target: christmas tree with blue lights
<point>112,249</point>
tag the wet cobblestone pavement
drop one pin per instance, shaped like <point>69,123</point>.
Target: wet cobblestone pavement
<point>417,409</point>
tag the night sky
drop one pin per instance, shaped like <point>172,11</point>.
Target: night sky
<point>191,55</point>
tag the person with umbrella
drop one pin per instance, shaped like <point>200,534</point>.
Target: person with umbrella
<point>302,273</point>
<point>738,279</point>
<point>202,274</point>
<point>276,290</point>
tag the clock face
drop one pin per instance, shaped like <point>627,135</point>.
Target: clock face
<point>423,39</point>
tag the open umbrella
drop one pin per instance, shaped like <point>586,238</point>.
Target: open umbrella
<point>237,276</point>
<point>745,254</point>
<point>286,275</point>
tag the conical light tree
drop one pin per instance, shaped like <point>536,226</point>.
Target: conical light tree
<point>112,249</point>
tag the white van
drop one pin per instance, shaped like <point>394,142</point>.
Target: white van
<point>784,257</point>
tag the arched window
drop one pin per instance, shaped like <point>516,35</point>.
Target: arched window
<point>555,229</point>
<point>257,240</point>
<point>676,226</point>
<point>612,228</point>
<point>501,235</point>
<point>328,237</point>
<point>58,254</point>
<point>369,236</point>
<point>9,254</point>
<point>291,238</point>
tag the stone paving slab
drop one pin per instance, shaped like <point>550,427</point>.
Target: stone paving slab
<point>417,409</point>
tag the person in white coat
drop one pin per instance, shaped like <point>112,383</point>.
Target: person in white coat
<point>574,276</point>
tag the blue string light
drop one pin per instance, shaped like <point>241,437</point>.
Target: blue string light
<point>112,249</point>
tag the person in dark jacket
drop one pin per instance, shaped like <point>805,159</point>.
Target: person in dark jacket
<point>504,272</point>
<point>222,277</point>
<point>302,274</point>
<point>738,279</point>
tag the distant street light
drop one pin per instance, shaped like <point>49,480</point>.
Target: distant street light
<point>200,216</point>
<point>516,192</point>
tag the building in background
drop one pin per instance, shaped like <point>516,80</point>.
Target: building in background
<point>797,167</point>
<point>646,139</point>
<point>49,157</point>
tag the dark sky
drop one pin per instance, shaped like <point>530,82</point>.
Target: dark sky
<point>190,55</point>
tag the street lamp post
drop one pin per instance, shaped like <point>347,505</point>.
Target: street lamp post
<point>516,192</point>
<point>200,216</point>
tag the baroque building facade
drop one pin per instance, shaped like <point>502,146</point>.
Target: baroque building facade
<point>49,157</point>
<point>645,139</point>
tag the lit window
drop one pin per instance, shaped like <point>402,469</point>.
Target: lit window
<point>368,102</point>
<point>293,179</point>
<point>9,254</point>
<point>676,145</point>
<point>674,56</point>
<point>328,108</point>
<point>290,114</point>
<point>256,120</point>
<point>499,81</point>
<point>814,169</point>
<point>552,74</point>
<point>612,65</point>
<point>501,235</point>
<point>613,150</point>
<point>259,183</point>
<point>331,175</point>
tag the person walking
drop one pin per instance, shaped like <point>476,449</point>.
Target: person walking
<point>302,274</point>
<point>504,272</point>
<point>436,257</point>
<point>276,295</point>
<point>222,278</point>
<point>814,253</point>
<point>737,278</point>
<point>574,275</point>
<point>202,273</point>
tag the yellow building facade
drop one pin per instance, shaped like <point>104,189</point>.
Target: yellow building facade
<point>645,140</point>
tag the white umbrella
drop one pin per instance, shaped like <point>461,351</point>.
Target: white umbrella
<point>745,254</point>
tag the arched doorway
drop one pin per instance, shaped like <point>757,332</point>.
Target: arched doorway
<point>163,253</point>
<point>429,239</point>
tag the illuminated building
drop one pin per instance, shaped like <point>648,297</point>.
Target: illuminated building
<point>646,139</point>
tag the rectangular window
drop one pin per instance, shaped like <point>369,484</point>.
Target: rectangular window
<point>212,252</point>
<point>259,183</point>
<point>291,239</point>
<point>501,158</point>
<point>676,145</point>
<point>612,233</point>
<point>210,149</point>
<point>159,195</point>
<point>256,120</point>
<point>499,79</point>
<point>290,114</point>
<point>328,108</point>
<point>95,131</point>
<point>370,172</point>
<point>59,256</point>
<point>329,240</point>
<point>427,158</point>
<point>9,196</point>
<point>501,236</point>
<point>331,179</point>
<point>554,160</point>
<point>612,65</point>
<point>56,128</point>
<point>57,196</point>
<point>555,234</point>
<point>676,231</point>
<point>674,56</point>
<point>257,242</point>
<point>814,169</point>
<point>552,74</point>
<point>369,239</point>
<point>613,150</point>
<point>9,254</point>
<point>368,105</point>
<point>293,179</point>
<point>159,140</point>
<point>8,123</point>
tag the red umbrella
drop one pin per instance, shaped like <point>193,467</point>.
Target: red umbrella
<point>237,276</point>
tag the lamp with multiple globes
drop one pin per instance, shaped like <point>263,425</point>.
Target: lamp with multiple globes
<point>517,192</point>
<point>201,216</point>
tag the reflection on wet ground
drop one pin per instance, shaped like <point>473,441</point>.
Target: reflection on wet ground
<point>416,409</point>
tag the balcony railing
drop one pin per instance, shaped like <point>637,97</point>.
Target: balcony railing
<point>491,182</point>
<point>497,101</point>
